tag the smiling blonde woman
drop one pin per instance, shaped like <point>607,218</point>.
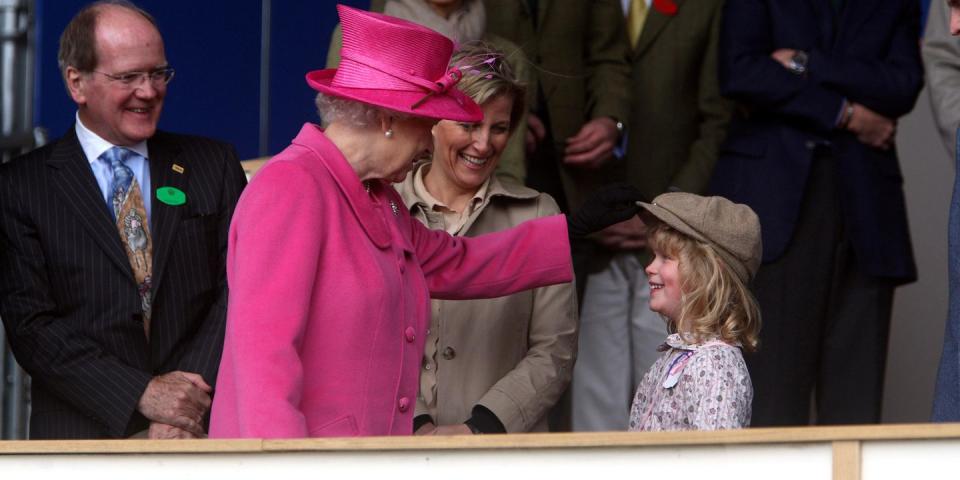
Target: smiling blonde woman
<point>494,365</point>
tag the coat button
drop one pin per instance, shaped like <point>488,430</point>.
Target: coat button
<point>410,334</point>
<point>449,353</point>
<point>403,404</point>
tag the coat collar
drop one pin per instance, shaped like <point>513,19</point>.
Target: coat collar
<point>368,208</point>
<point>73,180</point>
<point>680,342</point>
<point>496,188</point>
<point>165,158</point>
<point>653,26</point>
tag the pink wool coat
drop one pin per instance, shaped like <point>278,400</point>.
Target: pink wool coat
<point>330,292</point>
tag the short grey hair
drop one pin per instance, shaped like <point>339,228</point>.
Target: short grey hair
<point>351,112</point>
<point>78,42</point>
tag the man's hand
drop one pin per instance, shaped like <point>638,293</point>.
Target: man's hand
<point>178,399</point>
<point>458,429</point>
<point>162,431</point>
<point>784,56</point>
<point>536,131</point>
<point>871,128</point>
<point>593,145</point>
<point>627,235</point>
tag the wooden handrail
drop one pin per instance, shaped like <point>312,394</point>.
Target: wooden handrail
<point>854,434</point>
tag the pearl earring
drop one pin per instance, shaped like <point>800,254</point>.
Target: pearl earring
<point>389,133</point>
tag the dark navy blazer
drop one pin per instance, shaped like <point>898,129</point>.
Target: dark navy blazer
<point>868,54</point>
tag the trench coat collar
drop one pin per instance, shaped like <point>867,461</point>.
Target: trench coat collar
<point>496,188</point>
<point>366,207</point>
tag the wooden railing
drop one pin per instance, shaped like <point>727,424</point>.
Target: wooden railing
<point>885,451</point>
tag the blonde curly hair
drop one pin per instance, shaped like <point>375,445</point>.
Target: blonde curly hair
<point>714,302</point>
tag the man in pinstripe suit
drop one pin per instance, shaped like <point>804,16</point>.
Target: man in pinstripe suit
<point>111,356</point>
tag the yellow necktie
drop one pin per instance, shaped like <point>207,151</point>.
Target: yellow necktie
<point>635,18</point>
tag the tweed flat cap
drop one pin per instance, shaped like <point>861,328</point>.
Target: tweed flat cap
<point>732,228</point>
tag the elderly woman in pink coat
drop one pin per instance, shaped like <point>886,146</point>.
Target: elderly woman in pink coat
<point>330,278</point>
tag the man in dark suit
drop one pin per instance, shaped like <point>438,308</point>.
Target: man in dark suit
<point>112,247</point>
<point>820,85</point>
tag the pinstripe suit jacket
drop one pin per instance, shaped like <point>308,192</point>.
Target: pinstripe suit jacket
<point>67,295</point>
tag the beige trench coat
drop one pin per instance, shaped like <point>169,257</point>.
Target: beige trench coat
<point>514,355</point>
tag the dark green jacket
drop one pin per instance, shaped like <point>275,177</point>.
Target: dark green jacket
<point>579,51</point>
<point>678,119</point>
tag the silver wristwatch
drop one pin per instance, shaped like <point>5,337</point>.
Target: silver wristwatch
<point>798,62</point>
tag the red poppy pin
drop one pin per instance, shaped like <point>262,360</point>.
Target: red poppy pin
<point>666,7</point>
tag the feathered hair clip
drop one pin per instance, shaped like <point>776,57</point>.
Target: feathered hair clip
<point>485,65</point>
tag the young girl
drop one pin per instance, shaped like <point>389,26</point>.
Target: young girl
<point>706,251</point>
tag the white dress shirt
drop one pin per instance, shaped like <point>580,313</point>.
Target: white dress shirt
<point>94,145</point>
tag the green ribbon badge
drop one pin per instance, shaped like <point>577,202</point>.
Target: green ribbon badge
<point>171,196</point>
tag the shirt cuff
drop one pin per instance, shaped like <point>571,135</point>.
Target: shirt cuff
<point>421,420</point>
<point>483,420</point>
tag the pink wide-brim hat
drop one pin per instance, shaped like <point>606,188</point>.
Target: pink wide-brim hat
<point>397,65</point>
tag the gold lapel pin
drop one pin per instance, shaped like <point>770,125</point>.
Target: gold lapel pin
<point>177,168</point>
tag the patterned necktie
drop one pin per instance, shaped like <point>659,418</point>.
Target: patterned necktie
<point>636,16</point>
<point>126,204</point>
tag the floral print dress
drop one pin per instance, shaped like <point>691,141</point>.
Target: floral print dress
<point>694,387</point>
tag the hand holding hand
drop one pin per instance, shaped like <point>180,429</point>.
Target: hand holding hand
<point>458,429</point>
<point>605,207</point>
<point>593,145</point>
<point>871,128</point>
<point>162,431</point>
<point>536,131</point>
<point>178,399</point>
<point>426,429</point>
<point>627,235</point>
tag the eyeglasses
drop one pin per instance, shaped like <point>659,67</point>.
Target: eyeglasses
<point>130,80</point>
